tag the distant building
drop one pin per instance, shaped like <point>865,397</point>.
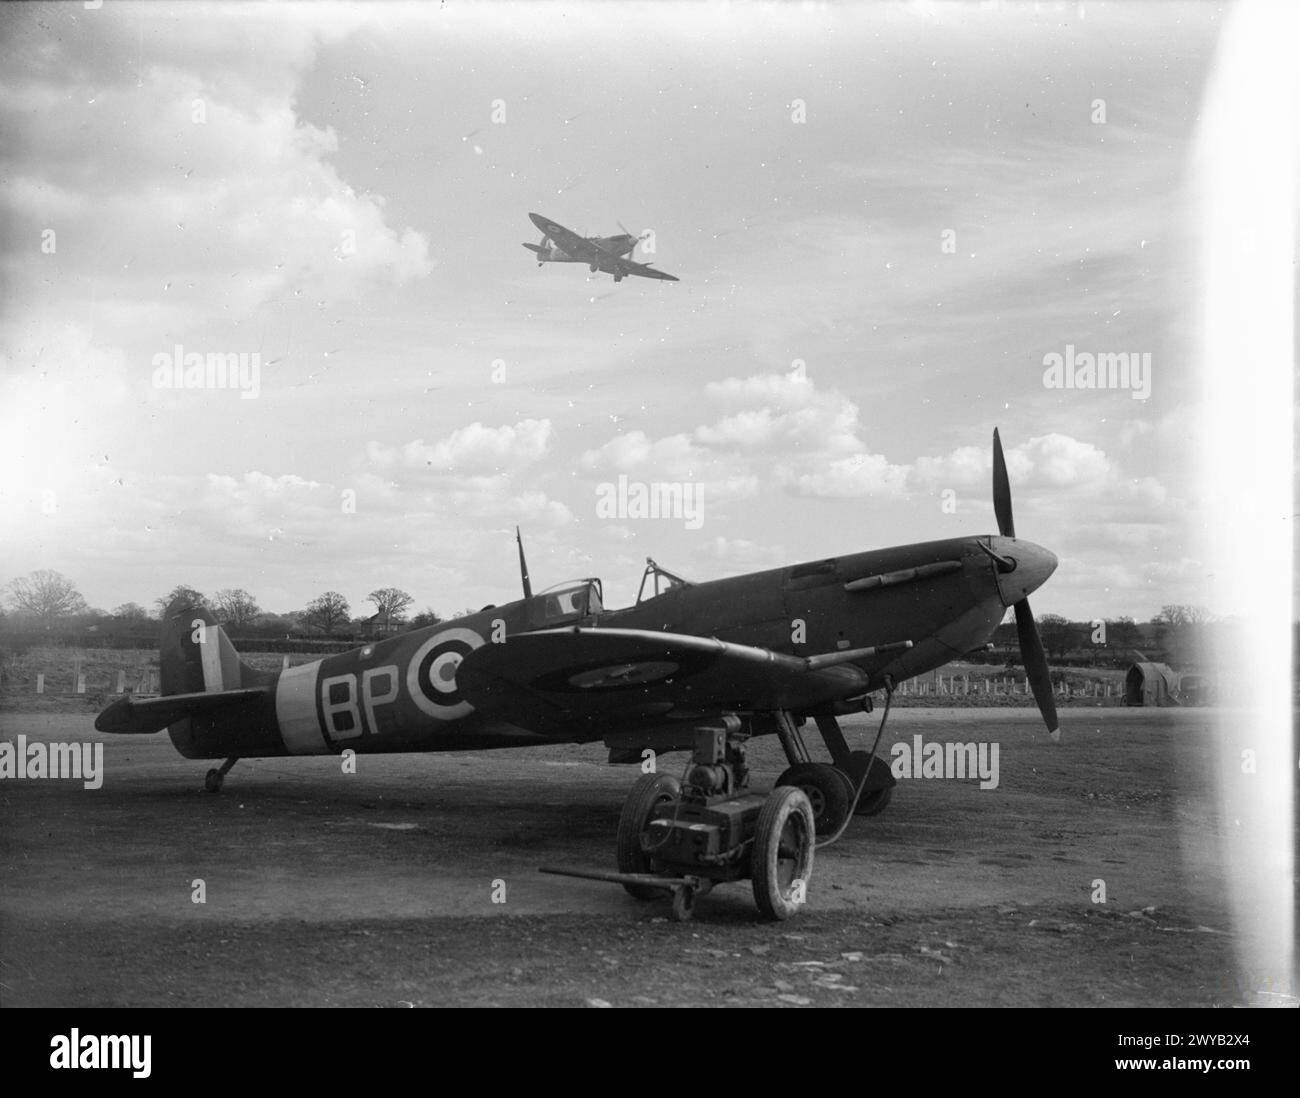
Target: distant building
<point>1152,684</point>
<point>378,626</point>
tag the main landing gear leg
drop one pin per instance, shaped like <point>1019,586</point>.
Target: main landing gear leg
<point>796,751</point>
<point>829,727</point>
<point>212,783</point>
<point>828,788</point>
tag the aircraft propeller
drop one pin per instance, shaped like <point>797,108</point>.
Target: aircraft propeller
<point>1031,645</point>
<point>640,238</point>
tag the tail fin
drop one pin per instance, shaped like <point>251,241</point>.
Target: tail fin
<point>196,656</point>
<point>203,682</point>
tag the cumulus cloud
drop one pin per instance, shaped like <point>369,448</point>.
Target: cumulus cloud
<point>184,186</point>
<point>1055,461</point>
<point>774,429</point>
<point>469,450</point>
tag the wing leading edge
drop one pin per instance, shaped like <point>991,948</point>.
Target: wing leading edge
<point>561,681</point>
<point>582,249</point>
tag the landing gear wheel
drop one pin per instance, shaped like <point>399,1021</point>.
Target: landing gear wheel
<point>212,782</point>
<point>873,801</point>
<point>649,790</point>
<point>782,858</point>
<point>683,903</point>
<point>829,792</point>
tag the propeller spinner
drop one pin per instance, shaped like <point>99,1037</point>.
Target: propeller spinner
<point>632,235</point>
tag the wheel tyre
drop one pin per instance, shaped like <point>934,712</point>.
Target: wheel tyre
<point>781,861</point>
<point>212,781</point>
<point>683,903</point>
<point>649,790</point>
<point>829,791</point>
<point>873,801</point>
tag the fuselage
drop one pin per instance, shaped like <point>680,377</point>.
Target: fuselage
<point>400,693</point>
<point>550,252</point>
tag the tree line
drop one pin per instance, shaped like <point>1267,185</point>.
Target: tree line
<point>49,601</point>
<point>1178,632</point>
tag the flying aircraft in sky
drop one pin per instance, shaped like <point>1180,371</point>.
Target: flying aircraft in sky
<point>600,253</point>
<point>763,651</point>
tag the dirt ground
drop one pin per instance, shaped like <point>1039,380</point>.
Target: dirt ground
<point>381,887</point>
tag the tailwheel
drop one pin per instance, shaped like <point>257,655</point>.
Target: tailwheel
<point>829,792</point>
<point>649,790</point>
<point>782,857</point>
<point>873,801</point>
<point>684,903</point>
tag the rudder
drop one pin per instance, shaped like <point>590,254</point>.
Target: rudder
<point>195,655</point>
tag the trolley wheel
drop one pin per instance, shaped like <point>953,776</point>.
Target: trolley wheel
<point>212,780</point>
<point>649,790</point>
<point>684,903</point>
<point>873,801</point>
<point>782,857</point>
<point>829,791</point>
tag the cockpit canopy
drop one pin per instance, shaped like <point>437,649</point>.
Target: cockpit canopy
<point>656,581</point>
<point>570,602</point>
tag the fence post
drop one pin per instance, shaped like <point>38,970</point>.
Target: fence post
<point>40,682</point>
<point>121,682</point>
<point>284,666</point>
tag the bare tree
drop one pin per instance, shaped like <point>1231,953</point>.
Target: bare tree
<point>1056,634</point>
<point>46,595</point>
<point>131,611</point>
<point>235,606</point>
<point>390,604</point>
<point>1183,614</point>
<point>196,598</point>
<point>426,617</point>
<point>1123,633</point>
<point>326,612</point>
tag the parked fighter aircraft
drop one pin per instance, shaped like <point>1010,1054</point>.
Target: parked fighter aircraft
<point>770,648</point>
<point>600,253</point>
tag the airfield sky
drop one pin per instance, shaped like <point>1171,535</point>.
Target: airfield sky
<point>883,219</point>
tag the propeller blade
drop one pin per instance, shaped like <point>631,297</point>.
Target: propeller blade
<point>523,565</point>
<point>1040,681</point>
<point>1002,490</point>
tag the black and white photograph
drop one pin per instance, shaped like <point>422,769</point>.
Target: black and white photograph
<point>593,505</point>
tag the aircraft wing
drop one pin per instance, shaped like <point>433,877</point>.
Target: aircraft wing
<point>560,681</point>
<point>570,243</point>
<point>644,270</point>
<point>129,715</point>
